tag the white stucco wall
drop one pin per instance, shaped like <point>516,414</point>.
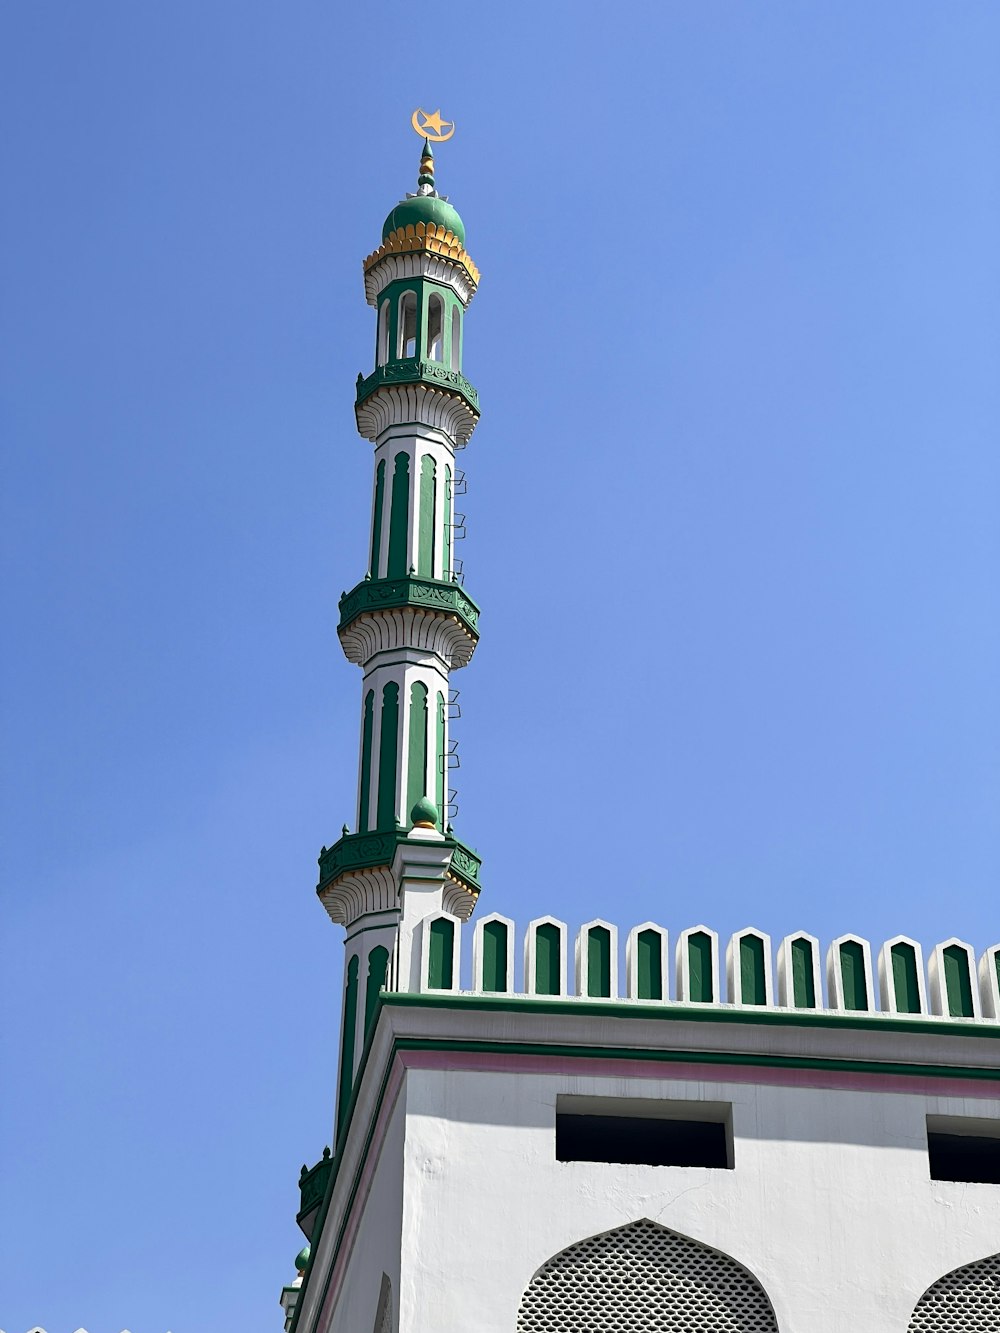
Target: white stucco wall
<point>376,1246</point>
<point>830,1204</point>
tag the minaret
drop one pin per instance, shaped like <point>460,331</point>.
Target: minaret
<point>409,623</point>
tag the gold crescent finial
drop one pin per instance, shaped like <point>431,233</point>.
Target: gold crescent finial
<point>432,126</point>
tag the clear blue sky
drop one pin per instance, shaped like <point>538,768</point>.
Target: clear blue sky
<point>732,520</point>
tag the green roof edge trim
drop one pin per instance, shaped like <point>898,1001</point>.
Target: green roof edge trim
<point>672,1010</point>
<point>433,594</point>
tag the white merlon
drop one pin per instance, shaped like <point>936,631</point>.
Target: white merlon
<point>909,956</point>
<point>540,976</point>
<point>989,982</point>
<point>741,974</point>
<point>849,974</point>
<point>952,973</point>
<point>605,941</point>
<point>849,989</point>
<point>799,968</point>
<point>656,940</point>
<point>502,929</point>
<point>693,978</point>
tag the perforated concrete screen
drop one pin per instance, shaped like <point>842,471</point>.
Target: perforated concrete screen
<point>964,1301</point>
<point>644,1279</point>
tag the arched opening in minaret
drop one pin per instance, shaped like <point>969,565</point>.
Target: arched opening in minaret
<point>407,339</point>
<point>365,783</point>
<point>426,520</point>
<point>456,338</point>
<point>347,1038</point>
<point>416,765</point>
<point>435,328</point>
<point>382,354</point>
<point>378,969</point>
<point>385,812</point>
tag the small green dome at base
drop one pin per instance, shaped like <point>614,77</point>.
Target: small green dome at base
<point>425,208</point>
<point>302,1259</point>
<point>424,814</point>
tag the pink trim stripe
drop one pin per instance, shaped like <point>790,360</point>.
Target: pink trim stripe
<point>364,1187</point>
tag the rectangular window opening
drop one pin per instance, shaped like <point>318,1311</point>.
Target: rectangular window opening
<point>964,1148</point>
<point>642,1132</point>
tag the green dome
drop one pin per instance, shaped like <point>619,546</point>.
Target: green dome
<point>301,1259</point>
<point>424,208</point>
<point>424,812</point>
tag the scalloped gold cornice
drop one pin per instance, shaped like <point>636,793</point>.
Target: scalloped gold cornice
<point>425,236</point>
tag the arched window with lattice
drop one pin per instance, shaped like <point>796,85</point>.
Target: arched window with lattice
<point>967,1298</point>
<point>644,1278</point>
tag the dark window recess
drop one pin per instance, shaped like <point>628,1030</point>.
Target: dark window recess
<point>967,1157</point>
<point>641,1141</point>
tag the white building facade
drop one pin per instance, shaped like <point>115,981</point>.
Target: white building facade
<point>653,1133</point>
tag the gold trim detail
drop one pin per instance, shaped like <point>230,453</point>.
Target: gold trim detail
<point>431,126</point>
<point>425,236</point>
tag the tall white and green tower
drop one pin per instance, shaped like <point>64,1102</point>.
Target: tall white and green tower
<point>543,1127</point>
<point>408,624</point>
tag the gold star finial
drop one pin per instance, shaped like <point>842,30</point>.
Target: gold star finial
<point>432,126</point>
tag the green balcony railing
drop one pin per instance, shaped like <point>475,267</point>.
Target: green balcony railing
<point>412,370</point>
<point>362,851</point>
<point>312,1187</point>
<point>373,594</point>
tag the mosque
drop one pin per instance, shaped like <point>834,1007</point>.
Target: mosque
<point>642,1129</point>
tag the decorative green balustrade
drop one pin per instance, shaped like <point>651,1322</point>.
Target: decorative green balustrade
<point>413,370</point>
<point>364,851</point>
<point>312,1188</point>
<point>433,594</point>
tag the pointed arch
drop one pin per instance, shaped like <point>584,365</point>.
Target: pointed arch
<point>365,783</point>
<point>399,518</point>
<point>648,1279</point>
<point>967,1298</point>
<point>435,327</point>
<point>416,749</point>
<point>426,519</point>
<point>378,969</point>
<point>456,338</point>
<point>377,518</point>
<point>347,1039</point>
<point>382,349</point>
<point>388,750</point>
<point>406,326</point>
